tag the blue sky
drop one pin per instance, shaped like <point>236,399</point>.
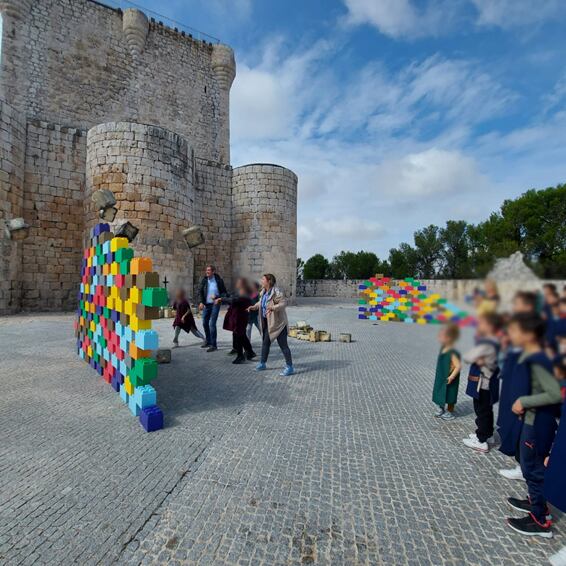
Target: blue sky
<point>394,113</point>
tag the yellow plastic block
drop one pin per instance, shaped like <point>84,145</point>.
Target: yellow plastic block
<point>89,261</point>
<point>92,326</point>
<point>89,351</point>
<point>110,303</point>
<point>114,267</point>
<point>136,295</point>
<point>118,305</point>
<point>136,324</point>
<point>128,386</point>
<point>118,243</point>
<point>114,292</point>
<point>128,307</point>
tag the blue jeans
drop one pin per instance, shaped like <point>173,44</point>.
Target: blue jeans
<point>532,466</point>
<point>209,318</point>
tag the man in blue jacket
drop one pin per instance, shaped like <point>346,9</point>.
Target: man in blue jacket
<point>211,288</point>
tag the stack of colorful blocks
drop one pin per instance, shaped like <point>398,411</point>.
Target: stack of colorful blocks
<point>387,299</point>
<point>119,296</point>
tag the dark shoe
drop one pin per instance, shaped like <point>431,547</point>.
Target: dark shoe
<point>232,352</point>
<point>251,355</point>
<point>239,360</point>
<point>529,526</point>
<point>212,349</point>
<point>524,505</point>
<point>205,345</point>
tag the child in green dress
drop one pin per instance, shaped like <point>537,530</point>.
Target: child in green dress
<point>447,380</point>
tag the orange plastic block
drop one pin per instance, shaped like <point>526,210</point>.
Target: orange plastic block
<point>137,353</point>
<point>140,265</point>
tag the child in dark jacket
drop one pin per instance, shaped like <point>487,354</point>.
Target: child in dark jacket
<point>483,380</point>
<point>555,475</point>
<point>184,319</point>
<point>539,406</point>
<point>236,320</point>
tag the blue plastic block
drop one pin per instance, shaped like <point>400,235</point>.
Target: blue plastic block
<point>99,228</point>
<point>123,368</point>
<point>147,340</point>
<point>106,354</point>
<point>119,329</point>
<point>106,247</point>
<point>109,280</point>
<point>133,406</point>
<point>123,394</point>
<point>151,418</point>
<point>114,316</point>
<point>115,384</point>
<point>146,396</point>
<point>119,377</point>
<point>362,316</point>
<point>128,334</point>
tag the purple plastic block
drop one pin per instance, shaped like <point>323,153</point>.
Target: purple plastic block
<point>92,363</point>
<point>99,369</point>
<point>99,228</point>
<point>109,257</point>
<point>115,384</point>
<point>362,316</point>
<point>115,316</point>
<point>119,377</point>
<point>99,311</point>
<point>151,418</point>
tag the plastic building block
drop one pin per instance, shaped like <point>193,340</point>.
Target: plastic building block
<point>140,265</point>
<point>155,297</point>
<point>151,418</point>
<point>147,340</point>
<point>145,396</point>
<point>133,406</point>
<point>143,372</point>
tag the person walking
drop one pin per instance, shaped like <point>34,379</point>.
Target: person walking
<point>273,322</point>
<point>253,319</point>
<point>211,288</point>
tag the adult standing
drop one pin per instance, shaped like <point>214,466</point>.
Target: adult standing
<point>211,288</point>
<point>273,322</point>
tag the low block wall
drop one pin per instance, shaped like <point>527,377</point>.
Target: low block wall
<point>452,289</point>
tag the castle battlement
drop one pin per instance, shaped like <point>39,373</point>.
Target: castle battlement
<point>95,97</point>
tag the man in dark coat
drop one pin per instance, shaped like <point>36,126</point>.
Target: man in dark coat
<point>211,288</point>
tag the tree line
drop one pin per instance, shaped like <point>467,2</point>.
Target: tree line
<point>534,224</point>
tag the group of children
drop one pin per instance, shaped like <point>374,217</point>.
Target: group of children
<point>519,362</point>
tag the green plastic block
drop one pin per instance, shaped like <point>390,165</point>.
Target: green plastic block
<point>362,302</point>
<point>124,254</point>
<point>103,342</point>
<point>144,371</point>
<point>106,312</point>
<point>442,301</point>
<point>96,319</point>
<point>155,297</point>
<point>125,267</point>
<point>98,249</point>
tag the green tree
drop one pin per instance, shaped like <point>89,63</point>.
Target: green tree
<point>428,249</point>
<point>403,261</point>
<point>316,267</point>
<point>356,265</point>
<point>456,248</point>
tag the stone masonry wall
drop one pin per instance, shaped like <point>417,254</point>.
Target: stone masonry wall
<point>53,207</point>
<point>264,224</point>
<point>150,172</point>
<point>76,62</point>
<point>12,148</point>
<point>213,212</point>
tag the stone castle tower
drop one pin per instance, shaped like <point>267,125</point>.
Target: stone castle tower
<point>93,97</point>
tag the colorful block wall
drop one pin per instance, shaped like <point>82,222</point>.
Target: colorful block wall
<point>386,299</point>
<point>119,296</point>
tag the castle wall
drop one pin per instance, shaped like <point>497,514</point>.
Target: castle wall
<point>150,171</point>
<point>213,212</point>
<point>12,149</point>
<point>264,224</point>
<point>79,63</point>
<point>53,208</point>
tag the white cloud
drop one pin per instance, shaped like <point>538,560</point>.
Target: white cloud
<point>401,18</point>
<point>380,154</point>
<point>512,13</point>
<point>430,172</point>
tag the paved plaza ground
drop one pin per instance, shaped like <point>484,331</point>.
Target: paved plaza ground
<point>340,464</point>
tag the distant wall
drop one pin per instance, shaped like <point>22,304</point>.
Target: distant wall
<point>451,289</point>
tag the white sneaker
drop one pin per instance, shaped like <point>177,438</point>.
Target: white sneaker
<point>490,440</point>
<point>559,559</point>
<point>512,474</point>
<point>476,445</point>
<point>175,344</point>
<point>439,412</point>
<point>448,416</point>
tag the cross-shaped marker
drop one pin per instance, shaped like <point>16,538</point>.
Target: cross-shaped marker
<point>165,282</point>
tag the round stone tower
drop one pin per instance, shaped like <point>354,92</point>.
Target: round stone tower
<point>264,224</point>
<point>150,172</point>
<point>224,68</point>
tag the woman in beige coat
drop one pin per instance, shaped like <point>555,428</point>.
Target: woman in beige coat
<point>273,324</point>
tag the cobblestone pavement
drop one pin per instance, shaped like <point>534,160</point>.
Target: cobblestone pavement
<point>340,464</point>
